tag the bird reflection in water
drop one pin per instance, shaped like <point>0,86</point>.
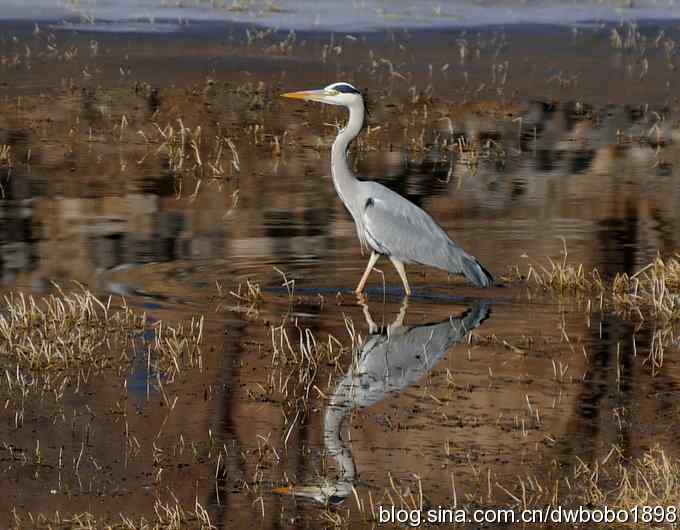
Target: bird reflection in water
<point>387,362</point>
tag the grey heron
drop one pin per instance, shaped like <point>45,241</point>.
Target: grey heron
<point>387,362</point>
<point>386,222</point>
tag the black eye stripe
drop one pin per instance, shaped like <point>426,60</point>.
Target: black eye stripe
<point>346,89</point>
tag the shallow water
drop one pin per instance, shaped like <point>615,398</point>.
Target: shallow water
<point>98,189</point>
<point>358,15</point>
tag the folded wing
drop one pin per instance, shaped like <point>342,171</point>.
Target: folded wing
<point>396,227</point>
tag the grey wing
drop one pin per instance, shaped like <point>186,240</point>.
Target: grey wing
<point>390,364</point>
<point>396,227</point>
<point>426,344</point>
<point>432,340</point>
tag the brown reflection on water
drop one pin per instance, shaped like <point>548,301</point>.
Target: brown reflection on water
<point>486,411</point>
<point>89,193</point>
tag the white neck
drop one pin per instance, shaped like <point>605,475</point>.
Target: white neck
<point>339,406</point>
<point>343,179</point>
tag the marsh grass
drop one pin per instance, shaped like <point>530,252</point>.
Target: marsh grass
<point>471,153</point>
<point>305,355</point>
<point>178,347</point>
<point>653,291</point>
<point>653,479</point>
<point>250,293</point>
<point>190,151</point>
<point>64,330</point>
<point>562,276</point>
<point>5,156</point>
<point>72,330</point>
<point>167,516</point>
<point>181,145</point>
<point>615,481</point>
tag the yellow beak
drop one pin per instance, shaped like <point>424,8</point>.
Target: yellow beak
<point>286,490</point>
<point>303,94</point>
<point>309,95</point>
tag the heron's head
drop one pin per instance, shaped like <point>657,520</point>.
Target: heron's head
<point>342,94</point>
<point>327,494</point>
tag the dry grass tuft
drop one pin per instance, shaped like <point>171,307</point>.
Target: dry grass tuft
<point>177,347</point>
<point>5,156</point>
<point>617,482</point>
<point>564,277</point>
<point>651,480</point>
<point>71,330</point>
<point>654,290</point>
<point>64,330</point>
<point>167,517</point>
<point>251,293</point>
<point>305,355</point>
<point>190,151</point>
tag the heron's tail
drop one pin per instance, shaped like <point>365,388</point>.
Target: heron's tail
<point>475,272</point>
<point>474,317</point>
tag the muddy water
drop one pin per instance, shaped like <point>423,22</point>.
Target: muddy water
<point>167,171</point>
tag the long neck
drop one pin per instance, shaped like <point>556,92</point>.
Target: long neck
<point>343,178</point>
<point>340,405</point>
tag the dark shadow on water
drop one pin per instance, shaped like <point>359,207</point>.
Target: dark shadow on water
<point>391,293</point>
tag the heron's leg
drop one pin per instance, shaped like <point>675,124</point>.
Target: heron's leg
<point>399,320</point>
<point>371,262</point>
<point>402,274</point>
<point>372,326</point>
